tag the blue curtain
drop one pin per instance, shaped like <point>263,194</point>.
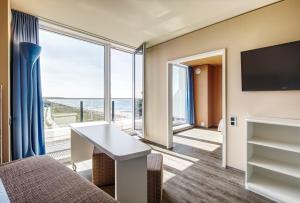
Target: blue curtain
<point>27,136</point>
<point>190,113</point>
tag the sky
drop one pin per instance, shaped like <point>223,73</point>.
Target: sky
<point>73,68</point>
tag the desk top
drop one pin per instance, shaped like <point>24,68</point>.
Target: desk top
<point>114,142</point>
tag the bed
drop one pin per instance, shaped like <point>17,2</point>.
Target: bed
<point>43,179</point>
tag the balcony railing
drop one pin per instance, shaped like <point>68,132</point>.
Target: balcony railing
<point>60,112</point>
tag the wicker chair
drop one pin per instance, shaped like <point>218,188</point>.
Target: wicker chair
<point>104,174</point>
<point>155,177</point>
<point>103,169</point>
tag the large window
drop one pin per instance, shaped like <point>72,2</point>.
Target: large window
<point>121,89</point>
<point>72,72</point>
<point>75,86</point>
<point>179,95</point>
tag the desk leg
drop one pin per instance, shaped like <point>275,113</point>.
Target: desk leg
<point>131,180</point>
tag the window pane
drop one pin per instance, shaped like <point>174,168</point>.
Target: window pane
<point>121,89</point>
<point>72,72</point>
<point>179,94</point>
<point>138,91</point>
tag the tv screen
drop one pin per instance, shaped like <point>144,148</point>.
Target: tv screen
<point>271,68</point>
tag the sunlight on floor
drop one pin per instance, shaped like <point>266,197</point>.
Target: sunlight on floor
<point>162,150</point>
<point>82,166</point>
<point>203,134</point>
<point>167,175</point>
<point>174,162</point>
<point>196,144</point>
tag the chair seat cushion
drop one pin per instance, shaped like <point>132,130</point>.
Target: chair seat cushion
<point>154,162</point>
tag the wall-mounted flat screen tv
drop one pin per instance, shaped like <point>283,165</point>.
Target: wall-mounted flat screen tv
<point>271,68</point>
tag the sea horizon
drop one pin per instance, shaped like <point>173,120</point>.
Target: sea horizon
<point>97,104</point>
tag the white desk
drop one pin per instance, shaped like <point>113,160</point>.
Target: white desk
<point>130,156</point>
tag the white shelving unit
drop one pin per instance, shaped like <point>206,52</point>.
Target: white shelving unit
<point>273,158</point>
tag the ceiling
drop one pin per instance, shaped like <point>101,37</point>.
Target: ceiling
<point>213,60</point>
<point>135,21</point>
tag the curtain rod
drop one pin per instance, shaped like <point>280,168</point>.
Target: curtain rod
<point>84,32</point>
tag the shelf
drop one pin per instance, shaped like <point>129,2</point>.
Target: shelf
<point>292,147</point>
<point>277,166</point>
<point>275,121</point>
<point>274,169</point>
<point>273,189</point>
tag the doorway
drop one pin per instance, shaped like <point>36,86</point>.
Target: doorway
<point>197,102</point>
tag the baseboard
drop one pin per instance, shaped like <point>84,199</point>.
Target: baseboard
<point>182,129</point>
<point>153,143</point>
<point>235,169</point>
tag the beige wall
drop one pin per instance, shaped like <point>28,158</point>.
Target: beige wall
<point>4,73</point>
<point>275,24</point>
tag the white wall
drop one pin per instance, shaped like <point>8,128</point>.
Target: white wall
<point>275,24</point>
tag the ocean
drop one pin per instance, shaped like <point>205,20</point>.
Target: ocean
<point>121,104</point>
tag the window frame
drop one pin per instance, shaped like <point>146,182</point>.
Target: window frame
<point>186,72</point>
<point>50,27</point>
<point>132,81</point>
